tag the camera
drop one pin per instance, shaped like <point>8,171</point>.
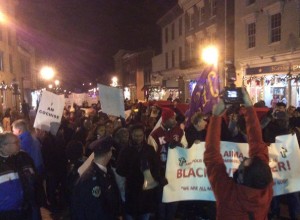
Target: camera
<point>233,95</point>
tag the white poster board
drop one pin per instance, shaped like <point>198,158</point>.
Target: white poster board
<point>50,112</point>
<point>112,100</point>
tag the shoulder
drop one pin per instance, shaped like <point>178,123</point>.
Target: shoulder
<point>157,131</point>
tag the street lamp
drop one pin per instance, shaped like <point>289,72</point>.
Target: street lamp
<point>47,72</point>
<point>114,82</point>
<point>3,18</point>
<point>210,55</point>
<point>56,82</point>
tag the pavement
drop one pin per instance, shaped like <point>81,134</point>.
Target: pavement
<point>64,215</point>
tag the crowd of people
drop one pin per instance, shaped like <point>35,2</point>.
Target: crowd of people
<point>126,177</point>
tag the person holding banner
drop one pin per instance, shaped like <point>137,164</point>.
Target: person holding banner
<point>249,193</point>
<point>168,135</point>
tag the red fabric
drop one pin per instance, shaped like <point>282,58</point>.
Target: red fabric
<point>235,201</point>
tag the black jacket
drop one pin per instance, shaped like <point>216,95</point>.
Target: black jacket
<point>131,164</point>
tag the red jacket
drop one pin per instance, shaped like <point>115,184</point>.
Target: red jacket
<point>235,201</point>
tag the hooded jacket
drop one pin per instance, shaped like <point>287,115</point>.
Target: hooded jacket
<point>235,201</point>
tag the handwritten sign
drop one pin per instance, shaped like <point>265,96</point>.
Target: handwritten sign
<point>49,113</point>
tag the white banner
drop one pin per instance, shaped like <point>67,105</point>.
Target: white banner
<point>112,100</point>
<point>187,178</point>
<point>49,113</point>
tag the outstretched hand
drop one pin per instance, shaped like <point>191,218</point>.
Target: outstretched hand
<point>246,98</point>
<point>219,108</point>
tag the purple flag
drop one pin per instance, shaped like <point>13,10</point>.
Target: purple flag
<point>206,92</point>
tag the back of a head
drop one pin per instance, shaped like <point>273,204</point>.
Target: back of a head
<point>258,174</point>
<point>102,146</point>
<point>20,124</point>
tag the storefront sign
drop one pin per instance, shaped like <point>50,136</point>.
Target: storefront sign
<point>272,69</point>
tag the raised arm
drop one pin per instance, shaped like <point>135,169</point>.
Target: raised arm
<point>254,133</point>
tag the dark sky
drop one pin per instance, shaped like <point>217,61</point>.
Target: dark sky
<point>79,37</point>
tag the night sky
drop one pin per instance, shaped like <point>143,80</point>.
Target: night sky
<point>80,37</point>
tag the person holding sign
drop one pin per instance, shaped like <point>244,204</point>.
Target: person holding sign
<point>249,193</point>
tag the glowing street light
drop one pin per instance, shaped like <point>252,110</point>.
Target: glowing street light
<point>114,82</point>
<point>56,82</point>
<point>3,18</point>
<point>210,55</point>
<point>50,86</point>
<point>47,72</point>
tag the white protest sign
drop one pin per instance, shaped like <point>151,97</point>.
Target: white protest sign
<point>79,98</point>
<point>112,100</point>
<point>49,113</point>
<point>187,177</point>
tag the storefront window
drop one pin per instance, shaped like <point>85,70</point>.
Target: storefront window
<point>273,89</point>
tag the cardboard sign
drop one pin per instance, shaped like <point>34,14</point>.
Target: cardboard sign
<point>112,100</point>
<point>49,113</point>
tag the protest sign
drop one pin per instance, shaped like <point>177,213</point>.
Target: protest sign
<point>49,113</point>
<point>187,177</point>
<point>112,100</point>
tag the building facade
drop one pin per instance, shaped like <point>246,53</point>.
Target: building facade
<point>17,60</point>
<point>267,49</point>
<point>187,28</point>
<point>133,68</point>
<point>28,74</point>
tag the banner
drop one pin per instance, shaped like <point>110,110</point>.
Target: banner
<point>187,177</point>
<point>49,113</point>
<point>112,100</point>
<point>205,93</point>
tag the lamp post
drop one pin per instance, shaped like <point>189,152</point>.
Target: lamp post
<point>210,55</point>
<point>114,81</point>
<point>47,73</point>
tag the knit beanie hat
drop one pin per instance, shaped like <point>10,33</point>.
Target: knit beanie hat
<point>167,114</point>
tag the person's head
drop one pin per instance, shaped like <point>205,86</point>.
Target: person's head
<point>109,127</point>
<point>7,113</point>
<point>121,136</point>
<point>281,119</point>
<point>9,144</point>
<point>280,106</point>
<point>87,124</point>
<point>100,130</point>
<point>290,110</point>
<point>19,126</point>
<point>199,121</point>
<point>137,134</point>
<point>103,150</point>
<point>168,118</point>
<point>253,172</point>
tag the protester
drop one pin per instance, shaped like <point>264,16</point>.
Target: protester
<point>96,193</point>
<point>142,175</point>
<point>168,135</point>
<point>25,110</point>
<point>248,194</point>
<point>95,133</point>
<point>6,122</point>
<point>28,143</point>
<point>55,161</point>
<point>18,185</point>
<point>196,132</point>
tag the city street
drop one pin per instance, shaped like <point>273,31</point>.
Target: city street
<point>47,215</point>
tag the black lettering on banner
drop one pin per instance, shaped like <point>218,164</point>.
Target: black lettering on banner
<point>48,114</point>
